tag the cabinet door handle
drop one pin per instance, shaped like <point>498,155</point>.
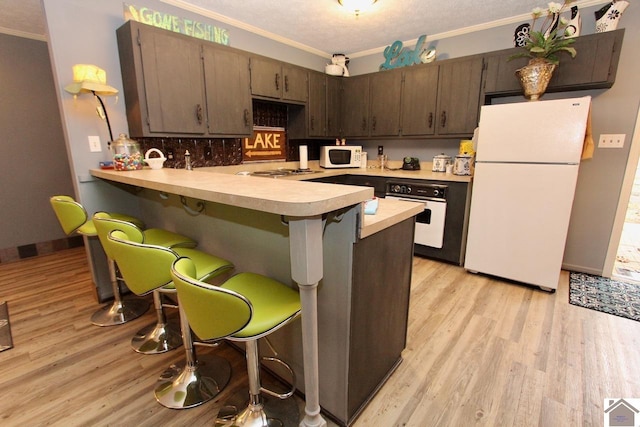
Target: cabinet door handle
<point>311,124</point>
<point>277,81</point>
<point>443,119</point>
<point>373,123</point>
<point>286,84</point>
<point>199,113</point>
<point>364,123</point>
<point>430,119</point>
<point>329,125</point>
<point>246,117</point>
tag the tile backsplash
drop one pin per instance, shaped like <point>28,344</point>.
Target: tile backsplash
<point>225,151</point>
<point>204,151</point>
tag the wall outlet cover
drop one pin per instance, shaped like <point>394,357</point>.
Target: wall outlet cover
<point>611,140</point>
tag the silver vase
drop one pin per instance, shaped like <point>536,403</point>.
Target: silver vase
<point>534,77</point>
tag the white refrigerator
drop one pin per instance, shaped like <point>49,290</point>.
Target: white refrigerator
<point>527,160</point>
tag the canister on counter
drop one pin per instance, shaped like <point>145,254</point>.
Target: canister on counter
<point>126,154</point>
<point>440,163</point>
<point>463,164</point>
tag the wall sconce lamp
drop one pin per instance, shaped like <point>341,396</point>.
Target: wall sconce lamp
<point>357,6</point>
<point>92,79</point>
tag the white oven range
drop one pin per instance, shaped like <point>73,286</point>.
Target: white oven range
<point>430,222</point>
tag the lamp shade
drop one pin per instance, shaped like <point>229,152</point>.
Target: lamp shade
<point>90,78</point>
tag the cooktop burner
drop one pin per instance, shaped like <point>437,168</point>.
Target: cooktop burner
<point>280,172</point>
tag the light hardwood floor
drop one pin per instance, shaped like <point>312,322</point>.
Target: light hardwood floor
<point>479,352</point>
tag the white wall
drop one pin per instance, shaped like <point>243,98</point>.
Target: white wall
<point>614,111</point>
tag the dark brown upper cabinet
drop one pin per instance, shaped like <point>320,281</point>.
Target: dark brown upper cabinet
<point>442,99</point>
<point>177,85</point>
<point>355,106</point>
<point>594,66</point>
<point>229,109</point>
<point>323,106</point>
<point>419,100</point>
<point>371,105</point>
<point>385,88</point>
<point>163,81</point>
<point>459,84</point>
<point>334,111</point>
<point>317,105</point>
<point>278,80</point>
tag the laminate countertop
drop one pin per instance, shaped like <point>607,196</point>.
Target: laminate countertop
<point>279,196</point>
<point>394,171</point>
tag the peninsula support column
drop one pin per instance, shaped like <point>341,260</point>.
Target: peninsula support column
<point>305,241</point>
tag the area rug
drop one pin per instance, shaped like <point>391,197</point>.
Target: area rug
<point>5,328</point>
<point>605,295</point>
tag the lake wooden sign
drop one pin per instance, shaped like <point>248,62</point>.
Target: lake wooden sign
<point>267,143</point>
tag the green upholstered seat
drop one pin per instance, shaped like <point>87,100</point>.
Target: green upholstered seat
<point>73,217</point>
<point>147,268</point>
<point>150,236</point>
<point>247,306</point>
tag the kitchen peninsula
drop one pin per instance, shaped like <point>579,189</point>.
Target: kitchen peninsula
<point>353,270</point>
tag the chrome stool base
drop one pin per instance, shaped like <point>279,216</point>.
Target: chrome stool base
<point>120,312</point>
<point>157,338</point>
<point>181,387</point>
<point>272,412</point>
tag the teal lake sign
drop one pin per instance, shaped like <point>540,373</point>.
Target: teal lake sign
<point>396,56</point>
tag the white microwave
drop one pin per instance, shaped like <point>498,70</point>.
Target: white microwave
<point>340,156</point>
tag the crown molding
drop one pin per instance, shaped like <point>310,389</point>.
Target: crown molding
<point>472,29</point>
<point>24,34</point>
<point>461,31</point>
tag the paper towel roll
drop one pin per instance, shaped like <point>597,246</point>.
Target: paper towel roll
<point>303,157</point>
<point>363,160</point>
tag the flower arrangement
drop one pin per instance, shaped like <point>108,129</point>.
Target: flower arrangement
<point>553,35</point>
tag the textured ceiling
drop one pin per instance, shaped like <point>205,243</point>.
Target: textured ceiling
<point>326,26</point>
<point>323,26</point>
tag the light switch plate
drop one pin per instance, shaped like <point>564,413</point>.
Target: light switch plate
<point>611,140</point>
<point>94,144</point>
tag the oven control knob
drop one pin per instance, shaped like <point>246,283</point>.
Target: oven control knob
<point>436,192</point>
<point>408,189</point>
<point>395,189</point>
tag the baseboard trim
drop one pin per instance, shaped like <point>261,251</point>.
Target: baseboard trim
<point>17,253</point>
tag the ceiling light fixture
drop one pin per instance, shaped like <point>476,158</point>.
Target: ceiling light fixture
<point>357,6</point>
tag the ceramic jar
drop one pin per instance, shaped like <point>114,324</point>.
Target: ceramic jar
<point>440,163</point>
<point>463,164</point>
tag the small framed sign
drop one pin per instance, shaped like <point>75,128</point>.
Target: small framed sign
<point>267,143</point>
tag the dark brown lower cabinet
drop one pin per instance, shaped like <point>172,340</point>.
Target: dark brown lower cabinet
<point>379,310</point>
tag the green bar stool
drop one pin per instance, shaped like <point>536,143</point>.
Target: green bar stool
<point>160,336</point>
<point>198,379</point>
<point>73,218</point>
<point>245,308</point>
